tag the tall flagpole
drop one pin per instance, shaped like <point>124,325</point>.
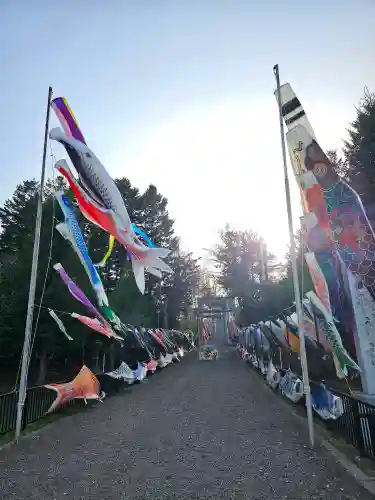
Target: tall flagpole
<point>34,268</point>
<point>263,261</point>
<point>305,372</point>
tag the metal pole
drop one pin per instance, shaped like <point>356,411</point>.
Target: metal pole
<point>305,372</point>
<point>166,319</point>
<point>265,261</point>
<point>159,304</point>
<point>198,335</point>
<point>226,321</point>
<point>262,261</point>
<point>34,268</point>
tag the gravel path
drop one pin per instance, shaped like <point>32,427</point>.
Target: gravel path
<point>197,430</point>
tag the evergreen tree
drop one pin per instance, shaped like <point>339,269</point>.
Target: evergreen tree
<point>177,291</point>
<point>53,356</point>
<point>359,152</point>
<point>238,259</point>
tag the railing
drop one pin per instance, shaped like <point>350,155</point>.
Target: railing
<point>356,425</point>
<point>8,412</point>
<point>38,401</point>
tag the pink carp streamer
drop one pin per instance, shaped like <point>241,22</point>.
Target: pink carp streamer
<point>98,326</point>
<point>81,297</point>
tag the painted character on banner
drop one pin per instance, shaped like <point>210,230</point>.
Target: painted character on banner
<point>352,234</point>
<point>317,162</point>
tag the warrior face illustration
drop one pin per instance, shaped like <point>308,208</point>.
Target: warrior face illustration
<point>317,162</point>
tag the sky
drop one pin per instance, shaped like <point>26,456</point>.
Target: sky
<point>180,94</point>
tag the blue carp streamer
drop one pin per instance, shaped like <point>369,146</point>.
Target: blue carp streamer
<point>70,231</point>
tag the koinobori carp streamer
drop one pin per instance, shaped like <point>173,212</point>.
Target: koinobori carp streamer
<point>102,194</point>
<point>67,118</point>
<point>70,231</point>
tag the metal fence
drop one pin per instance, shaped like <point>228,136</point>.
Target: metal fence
<point>8,411</point>
<point>38,401</point>
<point>357,424</point>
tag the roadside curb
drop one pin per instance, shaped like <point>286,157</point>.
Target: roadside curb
<point>363,479</point>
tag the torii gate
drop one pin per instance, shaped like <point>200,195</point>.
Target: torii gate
<point>207,349</point>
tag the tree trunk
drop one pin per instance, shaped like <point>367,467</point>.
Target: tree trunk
<point>97,358</point>
<point>112,356</point>
<point>43,363</point>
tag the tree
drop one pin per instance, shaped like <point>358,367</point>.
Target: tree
<point>177,291</point>
<point>207,287</point>
<point>304,277</point>
<point>281,296</point>
<point>359,152</point>
<point>16,243</point>
<point>154,220</point>
<point>238,258</point>
<point>51,351</point>
<point>239,261</point>
<point>17,217</point>
<point>339,163</point>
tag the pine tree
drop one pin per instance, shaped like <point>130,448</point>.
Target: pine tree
<point>359,152</point>
<point>238,258</point>
<point>178,288</point>
<point>51,350</point>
